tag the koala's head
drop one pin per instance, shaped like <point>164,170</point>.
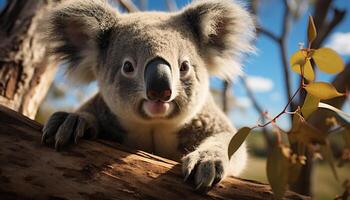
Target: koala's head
<point>151,66</point>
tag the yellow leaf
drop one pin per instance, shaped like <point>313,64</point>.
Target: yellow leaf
<point>310,105</point>
<point>308,71</point>
<point>277,167</point>
<point>327,155</point>
<point>311,30</point>
<point>297,58</point>
<point>237,140</point>
<point>322,90</point>
<point>328,61</point>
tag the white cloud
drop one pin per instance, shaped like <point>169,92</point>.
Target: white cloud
<point>243,102</point>
<point>340,42</point>
<point>259,84</point>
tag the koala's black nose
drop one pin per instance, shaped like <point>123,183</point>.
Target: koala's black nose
<point>158,80</point>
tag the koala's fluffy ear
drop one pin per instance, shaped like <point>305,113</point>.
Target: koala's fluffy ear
<point>224,30</point>
<point>78,32</point>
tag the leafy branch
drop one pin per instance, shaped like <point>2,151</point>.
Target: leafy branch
<point>282,161</point>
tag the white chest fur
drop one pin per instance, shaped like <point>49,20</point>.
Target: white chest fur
<point>160,139</point>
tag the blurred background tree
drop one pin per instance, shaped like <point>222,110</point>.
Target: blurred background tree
<point>25,71</point>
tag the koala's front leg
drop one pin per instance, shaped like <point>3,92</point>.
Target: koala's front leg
<point>209,162</point>
<point>63,128</point>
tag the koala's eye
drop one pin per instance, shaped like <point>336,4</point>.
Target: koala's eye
<point>185,68</point>
<point>128,69</point>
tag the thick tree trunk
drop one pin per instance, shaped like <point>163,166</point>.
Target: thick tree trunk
<point>97,170</point>
<point>25,72</point>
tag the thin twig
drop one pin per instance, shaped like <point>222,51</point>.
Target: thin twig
<point>267,33</point>
<point>282,112</point>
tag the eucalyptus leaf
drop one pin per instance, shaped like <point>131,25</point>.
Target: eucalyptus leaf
<point>237,140</point>
<point>322,90</point>
<point>328,61</point>
<point>310,105</point>
<point>311,30</point>
<point>277,169</point>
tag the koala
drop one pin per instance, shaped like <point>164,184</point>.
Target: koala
<point>152,71</point>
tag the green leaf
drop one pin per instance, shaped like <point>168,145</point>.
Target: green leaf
<point>311,30</point>
<point>341,113</point>
<point>237,140</point>
<point>328,61</point>
<point>327,155</point>
<point>310,105</point>
<point>277,167</point>
<point>322,90</point>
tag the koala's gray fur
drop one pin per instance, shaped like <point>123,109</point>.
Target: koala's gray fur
<point>96,42</point>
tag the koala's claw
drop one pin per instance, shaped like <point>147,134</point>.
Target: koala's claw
<point>206,168</point>
<point>52,126</point>
<point>63,128</point>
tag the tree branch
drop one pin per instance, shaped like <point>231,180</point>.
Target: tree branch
<point>269,34</point>
<point>283,50</point>
<point>128,5</point>
<point>327,28</point>
<point>258,108</point>
<point>225,96</point>
<point>321,8</point>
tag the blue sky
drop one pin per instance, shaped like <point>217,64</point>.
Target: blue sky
<point>264,67</point>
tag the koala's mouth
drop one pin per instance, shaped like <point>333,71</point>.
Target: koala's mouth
<point>157,109</point>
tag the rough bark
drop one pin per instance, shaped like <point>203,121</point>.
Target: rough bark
<point>25,72</point>
<point>97,170</point>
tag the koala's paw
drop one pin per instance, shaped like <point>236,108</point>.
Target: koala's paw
<point>63,128</point>
<point>206,167</point>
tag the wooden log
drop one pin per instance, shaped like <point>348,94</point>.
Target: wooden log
<point>97,170</point>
